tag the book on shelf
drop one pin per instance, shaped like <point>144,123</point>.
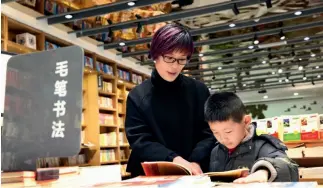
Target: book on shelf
<point>163,168</point>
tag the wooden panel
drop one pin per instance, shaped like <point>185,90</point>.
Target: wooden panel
<point>91,116</point>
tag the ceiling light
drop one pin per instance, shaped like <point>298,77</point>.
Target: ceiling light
<point>295,94</point>
<point>313,55</point>
<point>307,38</point>
<point>286,80</point>
<point>219,68</point>
<point>280,70</point>
<point>318,76</point>
<point>131,4</point>
<point>68,16</point>
<point>280,81</point>
<point>300,59</point>
<point>232,25</point>
<point>256,41</point>
<point>297,13</point>
<point>201,55</point>
<point>244,85</point>
<point>273,72</point>
<point>256,20</point>
<point>265,97</point>
<point>300,68</point>
<point>304,78</point>
<point>264,62</point>
<point>250,47</point>
<point>282,35</point>
<point>122,43</point>
<point>317,67</point>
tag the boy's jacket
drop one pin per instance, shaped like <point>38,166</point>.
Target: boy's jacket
<point>256,152</point>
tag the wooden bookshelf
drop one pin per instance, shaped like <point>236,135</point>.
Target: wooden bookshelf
<point>116,92</point>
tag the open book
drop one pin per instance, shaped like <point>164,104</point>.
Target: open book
<point>164,168</point>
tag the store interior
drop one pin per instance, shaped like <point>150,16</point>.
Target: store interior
<point>268,52</point>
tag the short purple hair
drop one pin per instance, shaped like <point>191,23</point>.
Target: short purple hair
<point>169,38</point>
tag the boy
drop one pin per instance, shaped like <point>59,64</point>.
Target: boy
<point>239,146</point>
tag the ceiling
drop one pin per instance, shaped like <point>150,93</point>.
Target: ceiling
<point>241,45</point>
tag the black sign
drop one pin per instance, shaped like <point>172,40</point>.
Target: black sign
<point>43,107</point>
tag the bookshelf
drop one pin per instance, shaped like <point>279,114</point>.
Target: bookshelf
<point>105,88</point>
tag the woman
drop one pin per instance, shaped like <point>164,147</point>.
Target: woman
<point>165,120</point>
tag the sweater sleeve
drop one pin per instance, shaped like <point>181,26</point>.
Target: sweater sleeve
<point>277,163</point>
<point>204,138</point>
<point>140,136</point>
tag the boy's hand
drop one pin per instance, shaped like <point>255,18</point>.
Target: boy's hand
<point>259,176</point>
<point>196,169</point>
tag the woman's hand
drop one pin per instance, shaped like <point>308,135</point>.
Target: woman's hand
<point>259,176</point>
<point>196,169</point>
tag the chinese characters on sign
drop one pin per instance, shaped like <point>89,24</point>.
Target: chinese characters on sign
<point>58,127</point>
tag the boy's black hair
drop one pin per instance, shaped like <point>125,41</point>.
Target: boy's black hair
<point>224,106</point>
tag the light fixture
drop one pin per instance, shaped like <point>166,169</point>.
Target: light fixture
<point>273,73</point>
<point>307,38</point>
<point>255,39</point>
<point>295,94</point>
<point>280,81</point>
<point>319,76</point>
<point>131,3</point>
<point>264,62</point>
<point>300,59</point>
<point>251,47</point>
<point>122,44</point>
<point>68,16</point>
<point>282,35</point>
<point>300,68</point>
<point>201,55</point>
<point>317,67</point>
<point>304,78</point>
<point>297,13</point>
<point>256,20</point>
<point>219,68</point>
<point>244,85</point>
<point>313,55</point>
<point>265,97</point>
<point>280,70</point>
<point>286,80</point>
<point>232,25</point>
<point>233,78</point>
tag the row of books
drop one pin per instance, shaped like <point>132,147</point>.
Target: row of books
<point>292,128</point>
<point>76,160</point>
<point>123,139</point>
<point>106,86</point>
<point>105,68</point>
<point>108,139</point>
<point>106,119</point>
<point>123,155</point>
<point>137,79</point>
<point>105,102</point>
<point>107,155</point>
<point>125,75</point>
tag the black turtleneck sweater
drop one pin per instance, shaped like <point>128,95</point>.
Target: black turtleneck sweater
<point>165,120</point>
